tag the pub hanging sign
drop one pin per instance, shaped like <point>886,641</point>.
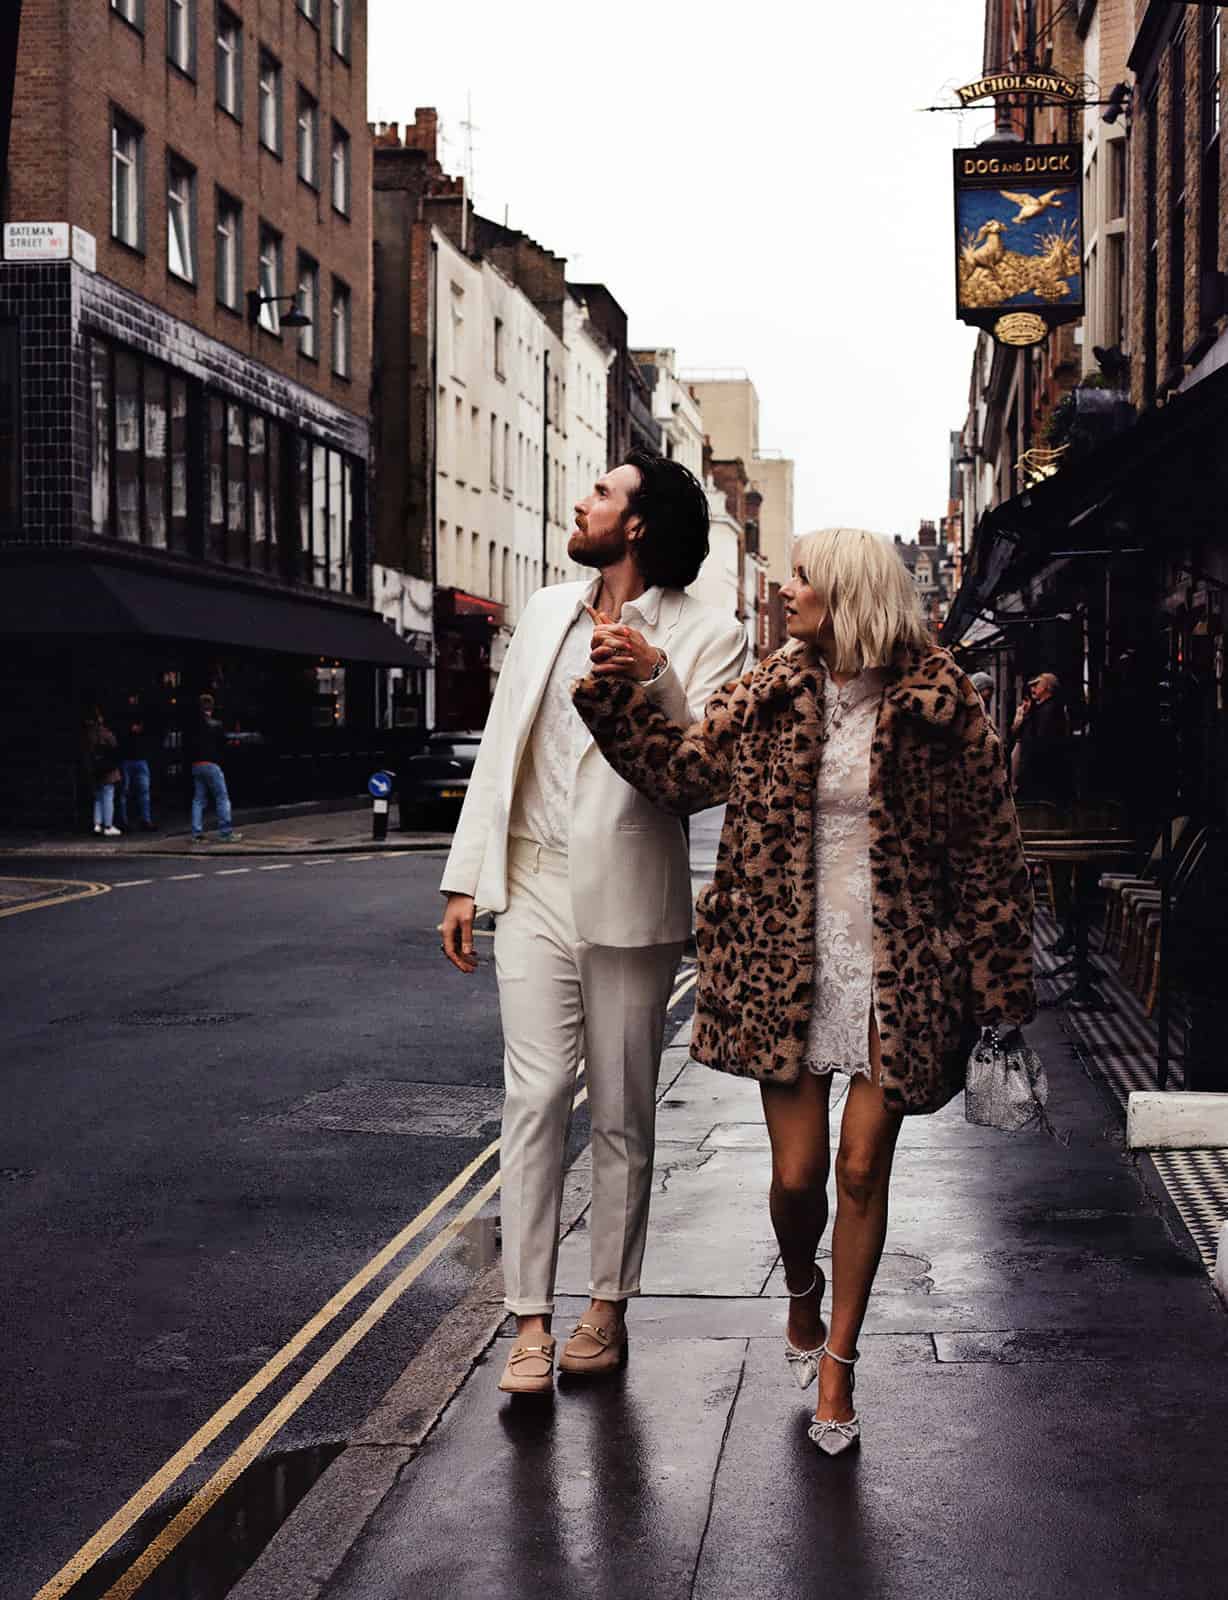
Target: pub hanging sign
<point>1019,239</point>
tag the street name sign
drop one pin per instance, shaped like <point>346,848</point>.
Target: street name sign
<point>36,241</point>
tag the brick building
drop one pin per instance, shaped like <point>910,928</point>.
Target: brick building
<point>185,471</point>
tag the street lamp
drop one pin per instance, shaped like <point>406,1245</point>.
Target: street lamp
<point>296,317</point>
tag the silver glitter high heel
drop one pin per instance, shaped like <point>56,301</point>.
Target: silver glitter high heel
<point>834,1438</point>
<point>804,1364</point>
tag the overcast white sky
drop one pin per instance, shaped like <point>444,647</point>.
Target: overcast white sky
<point>755,186</point>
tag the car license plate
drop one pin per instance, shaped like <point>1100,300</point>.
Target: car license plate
<point>451,794</point>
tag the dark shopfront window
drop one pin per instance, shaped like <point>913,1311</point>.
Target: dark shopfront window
<point>325,495</point>
<point>138,449</point>
<point>267,500</point>
<point>10,432</point>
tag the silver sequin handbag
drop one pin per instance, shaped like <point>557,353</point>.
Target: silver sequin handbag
<point>1006,1087</point>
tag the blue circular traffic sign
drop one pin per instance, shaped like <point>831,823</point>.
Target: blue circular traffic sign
<point>379,784</point>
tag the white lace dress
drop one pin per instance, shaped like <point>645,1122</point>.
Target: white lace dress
<point>838,1040</point>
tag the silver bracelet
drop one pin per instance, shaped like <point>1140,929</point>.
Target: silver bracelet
<point>662,663</point>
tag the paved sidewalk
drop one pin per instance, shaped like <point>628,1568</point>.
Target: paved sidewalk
<point>319,832</point>
<point>1044,1393</point>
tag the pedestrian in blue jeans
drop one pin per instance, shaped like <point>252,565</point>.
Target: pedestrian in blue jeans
<point>208,779</point>
<point>137,746</point>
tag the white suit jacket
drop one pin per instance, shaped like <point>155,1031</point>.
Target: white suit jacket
<point>628,862</point>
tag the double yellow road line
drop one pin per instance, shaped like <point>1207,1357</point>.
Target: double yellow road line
<point>147,1496</point>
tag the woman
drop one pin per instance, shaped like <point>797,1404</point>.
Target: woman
<point>870,910</point>
<point>102,765</point>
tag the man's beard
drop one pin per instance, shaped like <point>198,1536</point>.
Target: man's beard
<point>597,550</point>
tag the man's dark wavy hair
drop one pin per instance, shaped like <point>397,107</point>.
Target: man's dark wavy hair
<point>673,509</point>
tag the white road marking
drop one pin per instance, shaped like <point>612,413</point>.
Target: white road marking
<point>278,866</point>
<point>361,858</point>
<point>231,872</point>
<point>183,877</point>
<point>318,861</point>
<point>131,883</point>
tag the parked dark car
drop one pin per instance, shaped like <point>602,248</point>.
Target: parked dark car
<point>433,783</point>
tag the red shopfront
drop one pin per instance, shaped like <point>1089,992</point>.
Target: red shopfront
<point>465,625</point>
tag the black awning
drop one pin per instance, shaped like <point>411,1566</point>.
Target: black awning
<point>1079,509</point>
<point>69,596</point>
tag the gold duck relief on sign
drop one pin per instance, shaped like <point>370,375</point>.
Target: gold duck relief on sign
<point>991,273</point>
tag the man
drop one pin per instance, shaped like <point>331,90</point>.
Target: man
<point>1041,759</point>
<point>208,780</point>
<point>137,748</point>
<point>591,888</point>
<point>983,684</point>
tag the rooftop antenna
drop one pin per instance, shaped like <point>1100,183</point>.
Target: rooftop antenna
<point>470,128</point>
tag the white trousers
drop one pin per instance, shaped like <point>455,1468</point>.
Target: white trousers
<point>561,999</point>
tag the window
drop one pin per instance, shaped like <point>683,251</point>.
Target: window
<point>328,517</point>
<point>156,439</point>
<point>494,460</point>
<point>101,407</point>
<point>10,428</point>
<point>236,485</point>
<point>499,373</point>
<point>181,219</point>
<point>180,532</point>
<point>127,174</point>
<point>229,251</point>
<point>341,170</point>
<point>229,62</point>
<point>341,27</point>
<point>1176,204</point>
<point>270,102</point>
<point>181,35</point>
<point>308,134</point>
<point>1151,240</point>
<point>1211,295</point>
<point>341,329</point>
<point>132,11</point>
<point>1117,179</point>
<point>309,302</point>
<point>245,488</point>
<point>270,279</point>
<point>457,327</point>
<point>138,449</point>
<point>507,458</point>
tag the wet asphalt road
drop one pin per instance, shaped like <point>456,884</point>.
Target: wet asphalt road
<point>173,1206</point>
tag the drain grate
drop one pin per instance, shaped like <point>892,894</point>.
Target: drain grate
<point>181,1019</point>
<point>424,1110</point>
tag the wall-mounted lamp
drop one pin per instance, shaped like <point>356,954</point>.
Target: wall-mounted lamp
<point>1119,100</point>
<point>296,317</point>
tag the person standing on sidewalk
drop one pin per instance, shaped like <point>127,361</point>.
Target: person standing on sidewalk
<point>137,746</point>
<point>102,768</point>
<point>591,890</point>
<point>207,742</point>
<point>871,908</point>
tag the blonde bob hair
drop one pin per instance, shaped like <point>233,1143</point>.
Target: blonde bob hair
<point>868,592</point>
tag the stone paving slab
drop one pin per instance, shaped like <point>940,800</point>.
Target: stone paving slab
<point>602,1491</point>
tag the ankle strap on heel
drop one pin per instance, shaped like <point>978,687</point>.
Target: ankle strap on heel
<point>800,1294</point>
<point>845,1361</point>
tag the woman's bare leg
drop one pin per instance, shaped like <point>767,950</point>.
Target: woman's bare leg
<point>796,1115</point>
<point>868,1136</point>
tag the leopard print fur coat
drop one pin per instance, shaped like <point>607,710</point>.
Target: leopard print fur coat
<point>951,896</point>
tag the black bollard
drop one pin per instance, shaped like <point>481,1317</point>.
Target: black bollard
<point>379,787</point>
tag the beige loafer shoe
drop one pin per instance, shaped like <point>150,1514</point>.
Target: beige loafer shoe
<point>529,1369</point>
<point>592,1349</point>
